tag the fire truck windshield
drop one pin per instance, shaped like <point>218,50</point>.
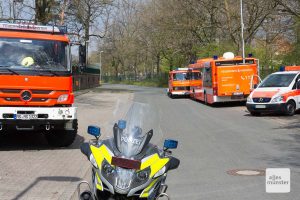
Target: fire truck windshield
<point>34,55</point>
<point>180,76</point>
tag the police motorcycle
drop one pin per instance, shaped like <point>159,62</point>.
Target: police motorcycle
<point>128,165</point>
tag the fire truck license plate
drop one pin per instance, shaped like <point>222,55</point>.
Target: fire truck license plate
<point>26,116</point>
<point>237,95</point>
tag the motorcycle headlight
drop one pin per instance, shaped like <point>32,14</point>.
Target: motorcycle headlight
<point>143,175</point>
<point>63,97</point>
<point>160,172</point>
<point>107,169</point>
<point>277,99</point>
<point>249,99</point>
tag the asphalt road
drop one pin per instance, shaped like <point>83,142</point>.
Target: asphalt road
<point>212,141</point>
<point>215,140</point>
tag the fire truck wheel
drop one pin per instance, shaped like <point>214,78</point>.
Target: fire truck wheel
<point>290,108</point>
<point>61,138</point>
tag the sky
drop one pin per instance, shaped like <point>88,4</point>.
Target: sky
<point>26,12</point>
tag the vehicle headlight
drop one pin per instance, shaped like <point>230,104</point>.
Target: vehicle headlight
<point>107,169</point>
<point>160,172</point>
<point>93,161</point>
<point>249,99</point>
<point>63,97</point>
<point>143,175</point>
<point>277,99</point>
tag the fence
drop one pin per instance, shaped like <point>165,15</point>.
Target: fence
<point>160,79</point>
<point>85,81</point>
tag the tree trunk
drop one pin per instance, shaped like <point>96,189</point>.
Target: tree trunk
<point>158,63</point>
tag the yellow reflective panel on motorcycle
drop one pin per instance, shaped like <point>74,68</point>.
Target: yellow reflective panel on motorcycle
<point>101,153</point>
<point>146,191</point>
<point>99,182</point>
<point>155,163</point>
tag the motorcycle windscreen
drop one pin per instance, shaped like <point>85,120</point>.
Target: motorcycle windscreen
<point>142,127</point>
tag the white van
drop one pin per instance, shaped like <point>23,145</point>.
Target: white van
<point>277,93</point>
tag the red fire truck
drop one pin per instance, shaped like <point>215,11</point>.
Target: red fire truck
<point>36,82</point>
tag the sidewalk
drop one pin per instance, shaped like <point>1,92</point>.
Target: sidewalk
<point>32,170</point>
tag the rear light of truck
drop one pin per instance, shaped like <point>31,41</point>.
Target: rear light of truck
<point>215,91</point>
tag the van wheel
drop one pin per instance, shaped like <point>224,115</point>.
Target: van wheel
<point>290,108</point>
<point>255,113</point>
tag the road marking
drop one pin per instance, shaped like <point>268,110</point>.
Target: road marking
<point>246,172</point>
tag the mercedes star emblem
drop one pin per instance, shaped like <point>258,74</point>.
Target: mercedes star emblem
<point>26,95</point>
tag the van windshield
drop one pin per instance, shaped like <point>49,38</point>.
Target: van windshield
<point>37,55</point>
<point>278,80</point>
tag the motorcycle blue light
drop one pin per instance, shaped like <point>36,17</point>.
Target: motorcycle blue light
<point>170,144</point>
<point>94,130</point>
<point>122,124</point>
<point>215,57</point>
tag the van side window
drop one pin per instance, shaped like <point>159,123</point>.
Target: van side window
<point>295,84</point>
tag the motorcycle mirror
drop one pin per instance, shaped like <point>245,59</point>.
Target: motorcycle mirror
<point>174,163</point>
<point>170,144</point>
<point>95,131</point>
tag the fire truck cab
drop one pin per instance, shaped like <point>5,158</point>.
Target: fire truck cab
<point>277,93</point>
<point>179,84</point>
<point>36,82</point>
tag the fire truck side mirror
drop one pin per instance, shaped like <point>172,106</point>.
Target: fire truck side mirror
<point>82,55</point>
<point>298,85</point>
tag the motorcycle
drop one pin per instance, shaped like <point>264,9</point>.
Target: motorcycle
<point>126,166</point>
